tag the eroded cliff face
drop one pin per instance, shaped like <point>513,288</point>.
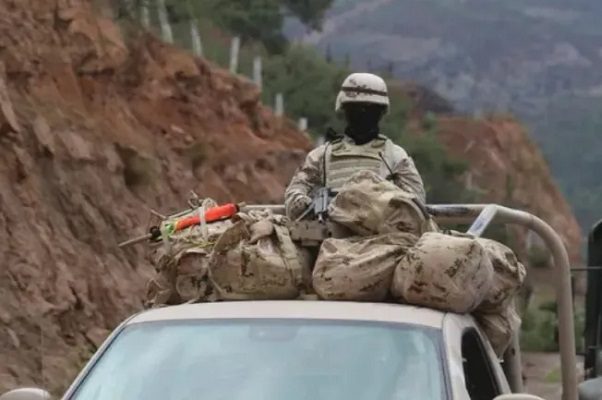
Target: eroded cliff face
<point>92,132</point>
<point>506,167</point>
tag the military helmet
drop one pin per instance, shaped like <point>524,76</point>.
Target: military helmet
<point>363,88</point>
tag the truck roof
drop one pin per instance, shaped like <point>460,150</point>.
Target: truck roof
<point>298,309</point>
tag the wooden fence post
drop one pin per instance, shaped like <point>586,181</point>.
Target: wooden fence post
<point>279,107</point>
<point>234,49</point>
<point>195,35</point>
<point>257,72</point>
<point>303,124</point>
<point>145,15</point>
<point>166,32</point>
<point>197,45</point>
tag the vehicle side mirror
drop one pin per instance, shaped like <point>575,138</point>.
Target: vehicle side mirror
<point>590,389</point>
<point>518,396</point>
<point>26,394</point>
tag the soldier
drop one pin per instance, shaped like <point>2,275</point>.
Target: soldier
<point>364,101</point>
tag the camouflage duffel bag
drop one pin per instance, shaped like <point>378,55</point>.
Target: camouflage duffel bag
<point>499,327</point>
<point>508,276</point>
<point>496,314</point>
<point>443,272</point>
<point>359,269</point>
<point>181,263</point>
<point>255,259</point>
<point>368,204</point>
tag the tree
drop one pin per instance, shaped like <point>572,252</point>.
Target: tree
<point>257,20</point>
<point>309,84</point>
<point>310,12</point>
<point>328,54</point>
<point>390,72</point>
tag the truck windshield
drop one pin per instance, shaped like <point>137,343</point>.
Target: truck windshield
<point>268,360</point>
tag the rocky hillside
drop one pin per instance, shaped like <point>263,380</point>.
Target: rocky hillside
<point>506,167</point>
<point>93,131</point>
<point>96,129</point>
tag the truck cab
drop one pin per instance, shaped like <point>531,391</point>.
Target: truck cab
<point>270,350</point>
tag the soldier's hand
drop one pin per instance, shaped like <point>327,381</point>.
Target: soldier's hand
<point>299,205</point>
<point>394,177</point>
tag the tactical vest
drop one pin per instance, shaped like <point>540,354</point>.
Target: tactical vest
<point>343,158</point>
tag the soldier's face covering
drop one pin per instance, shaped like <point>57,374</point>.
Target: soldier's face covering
<point>362,121</point>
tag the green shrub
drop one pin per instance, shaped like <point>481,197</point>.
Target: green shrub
<point>553,376</point>
<point>538,257</point>
<point>539,328</point>
<point>138,170</point>
<point>196,154</point>
<point>537,331</point>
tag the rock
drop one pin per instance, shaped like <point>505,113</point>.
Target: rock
<point>97,336</point>
<point>8,119</point>
<point>13,337</point>
<point>4,316</point>
<point>42,133</point>
<point>76,145</point>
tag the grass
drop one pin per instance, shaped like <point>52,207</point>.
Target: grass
<point>537,331</point>
<point>539,325</point>
<point>553,376</point>
<point>538,257</point>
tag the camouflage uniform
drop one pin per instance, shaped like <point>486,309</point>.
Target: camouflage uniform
<point>331,164</point>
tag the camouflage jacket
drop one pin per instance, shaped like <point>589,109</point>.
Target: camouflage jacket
<point>331,164</point>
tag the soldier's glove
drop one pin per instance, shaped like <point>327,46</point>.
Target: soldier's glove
<point>298,206</point>
<point>394,177</point>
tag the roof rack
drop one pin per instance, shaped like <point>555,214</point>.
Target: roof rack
<point>481,216</point>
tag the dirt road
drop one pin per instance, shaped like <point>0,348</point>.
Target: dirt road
<point>543,375</point>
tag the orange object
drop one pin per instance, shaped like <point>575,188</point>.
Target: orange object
<point>211,215</point>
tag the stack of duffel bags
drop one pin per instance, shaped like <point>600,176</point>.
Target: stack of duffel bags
<point>248,257</point>
<point>398,253</point>
<point>394,252</point>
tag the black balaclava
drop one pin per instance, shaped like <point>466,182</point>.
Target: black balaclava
<point>362,121</point>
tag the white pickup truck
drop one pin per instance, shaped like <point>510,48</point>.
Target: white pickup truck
<point>318,350</point>
<point>295,350</point>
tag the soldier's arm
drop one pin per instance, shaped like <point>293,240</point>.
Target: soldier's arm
<point>307,177</point>
<point>407,177</point>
